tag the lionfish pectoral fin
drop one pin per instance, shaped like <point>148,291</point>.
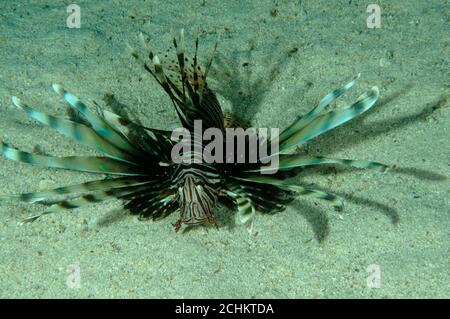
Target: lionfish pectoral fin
<point>325,122</point>
<point>66,205</point>
<point>335,200</point>
<point>85,200</point>
<point>327,100</point>
<point>291,161</point>
<point>151,203</point>
<point>162,211</point>
<point>78,163</point>
<point>100,126</point>
<point>77,131</point>
<point>118,123</point>
<point>246,210</point>
<point>96,185</point>
<point>300,190</point>
<point>126,126</point>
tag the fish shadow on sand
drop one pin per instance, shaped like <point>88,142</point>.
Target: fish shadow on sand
<point>243,91</point>
<point>240,85</point>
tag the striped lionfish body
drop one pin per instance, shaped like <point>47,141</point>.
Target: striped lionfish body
<point>143,173</point>
<point>196,198</point>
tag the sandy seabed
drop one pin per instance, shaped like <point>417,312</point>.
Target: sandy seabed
<point>274,62</point>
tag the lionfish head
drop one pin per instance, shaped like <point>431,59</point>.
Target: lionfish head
<point>196,199</point>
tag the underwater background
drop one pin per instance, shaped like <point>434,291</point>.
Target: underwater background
<point>275,60</point>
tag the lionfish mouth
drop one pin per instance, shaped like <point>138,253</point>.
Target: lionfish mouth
<point>138,160</point>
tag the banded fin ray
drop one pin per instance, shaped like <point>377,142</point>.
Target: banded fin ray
<point>187,88</point>
<point>300,190</point>
<point>268,198</point>
<point>246,210</point>
<point>315,193</point>
<point>96,185</point>
<point>159,143</point>
<point>330,120</point>
<point>100,126</point>
<point>84,200</point>
<point>327,100</point>
<point>118,123</point>
<point>160,209</point>
<point>151,203</point>
<point>91,164</point>
<point>79,132</point>
<point>295,160</point>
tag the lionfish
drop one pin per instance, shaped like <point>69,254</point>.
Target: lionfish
<point>138,163</point>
